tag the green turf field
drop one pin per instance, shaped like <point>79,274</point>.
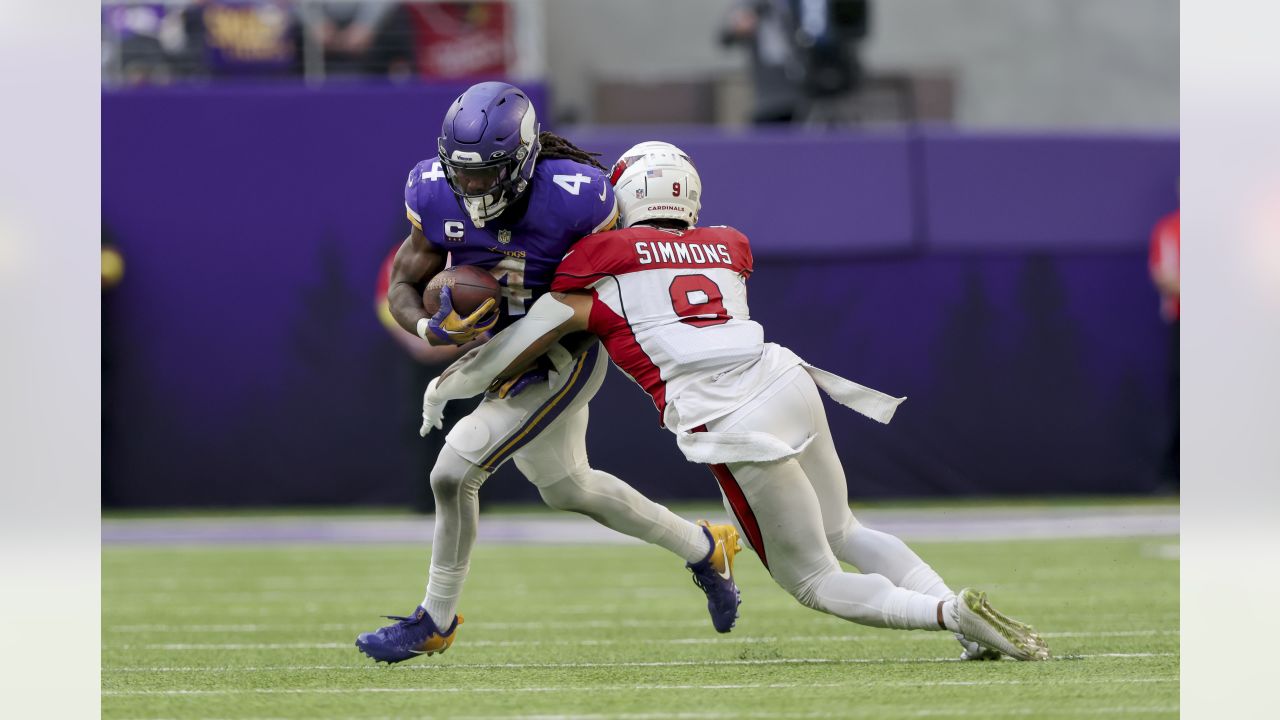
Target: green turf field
<point>620,632</point>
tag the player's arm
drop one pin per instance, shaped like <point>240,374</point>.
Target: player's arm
<point>416,262</point>
<point>552,317</point>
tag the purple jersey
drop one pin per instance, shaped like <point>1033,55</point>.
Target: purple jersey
<point>568,200</point>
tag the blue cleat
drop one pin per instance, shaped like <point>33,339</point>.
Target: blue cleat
<point>714,574</point>
<point>408,638</point>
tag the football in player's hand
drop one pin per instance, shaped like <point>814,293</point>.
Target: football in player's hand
<point>471,287</point>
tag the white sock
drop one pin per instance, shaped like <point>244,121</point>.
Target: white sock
<point>696,546</point>
<point>911,610</point>
<point>443,590</point>
<point>873,600</point>
<point>923,579</point>
<point>455,483</point>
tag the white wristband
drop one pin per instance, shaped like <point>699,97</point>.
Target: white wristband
<point>423,324</point>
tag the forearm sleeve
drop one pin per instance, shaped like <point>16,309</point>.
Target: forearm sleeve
<point>474,373</point>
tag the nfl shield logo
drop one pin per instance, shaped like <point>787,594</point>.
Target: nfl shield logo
<point>504,236</point>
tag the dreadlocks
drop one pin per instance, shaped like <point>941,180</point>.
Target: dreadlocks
<point>555,147</point>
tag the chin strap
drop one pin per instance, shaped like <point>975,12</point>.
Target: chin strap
<point>474,212</point>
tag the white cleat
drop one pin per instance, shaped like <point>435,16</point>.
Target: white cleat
<point>981,623</point>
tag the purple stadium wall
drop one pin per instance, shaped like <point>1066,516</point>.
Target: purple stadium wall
<point>998,281</point>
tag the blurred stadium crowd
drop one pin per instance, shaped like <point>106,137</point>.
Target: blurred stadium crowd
<point>984,63</point>
<point>151,43</point>
<point>803,54</point>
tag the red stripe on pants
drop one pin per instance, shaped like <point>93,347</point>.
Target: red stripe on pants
<point>741,509</point>
<point>738,502</point>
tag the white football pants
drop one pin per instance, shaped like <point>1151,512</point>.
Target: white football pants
<point>795,514</point>
<point>544,429</point>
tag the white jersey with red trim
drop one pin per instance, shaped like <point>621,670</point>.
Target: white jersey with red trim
<point>671,309</point>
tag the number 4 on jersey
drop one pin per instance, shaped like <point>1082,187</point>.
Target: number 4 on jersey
<point>435,174</point>
<point>571,183</point>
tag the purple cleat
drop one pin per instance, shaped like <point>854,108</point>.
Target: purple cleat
<point>408,638</point>
<point>714,575</point>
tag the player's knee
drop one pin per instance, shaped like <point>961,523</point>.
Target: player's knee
<point>808,591</point>
<point>561,487</point>
<point>861,598</point>
<point>567,492</point>
<point>560,495</point>
<point>445,482</point>
<point>837,537</point>
<point>452,475</point>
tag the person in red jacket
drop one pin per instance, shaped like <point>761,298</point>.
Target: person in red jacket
<point>1163,262</point>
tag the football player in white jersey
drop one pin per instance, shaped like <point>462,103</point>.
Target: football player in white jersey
<point>668,300</point>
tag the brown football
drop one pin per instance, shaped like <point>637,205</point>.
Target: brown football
<point>471,287</point>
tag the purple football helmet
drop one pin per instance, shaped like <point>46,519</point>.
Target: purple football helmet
<point>488,147</point>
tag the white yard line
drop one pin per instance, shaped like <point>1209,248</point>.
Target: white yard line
<point>593,641</point>
<point>288,597</point>
<point>645,687</point>
<point>876,713</point>
<point>532,625</point>
<point>358,627</point>
<point>590,665</point>
<point>256,610</point>
<point>1112,633</point>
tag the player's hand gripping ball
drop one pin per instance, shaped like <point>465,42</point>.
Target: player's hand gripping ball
<point>463,301</point>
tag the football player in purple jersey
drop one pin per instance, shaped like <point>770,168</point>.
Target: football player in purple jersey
<point>501,195</point>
